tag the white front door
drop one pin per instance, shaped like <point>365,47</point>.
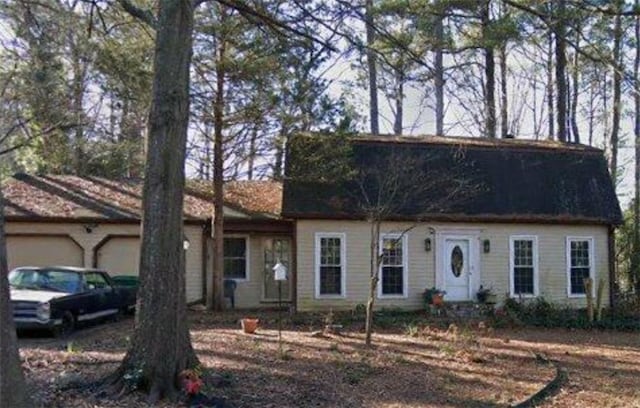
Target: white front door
<point>457,268</point>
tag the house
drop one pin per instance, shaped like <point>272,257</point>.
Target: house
<point>524,218</point>
<point>95,222</point>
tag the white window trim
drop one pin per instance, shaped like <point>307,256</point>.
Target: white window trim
<point>536,275</point>
<point>247,245</point>
<point>592,264</point>
<point>405,266</point>
<point>343,264</point>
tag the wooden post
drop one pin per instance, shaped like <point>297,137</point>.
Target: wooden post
<point>588,289</point>
<point>599,295</point>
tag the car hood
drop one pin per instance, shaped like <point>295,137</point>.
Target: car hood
<point>27,295</point>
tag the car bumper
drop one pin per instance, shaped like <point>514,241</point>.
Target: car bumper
<point>30,323</point>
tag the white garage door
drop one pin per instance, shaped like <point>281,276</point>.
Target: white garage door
<point>120,256</point>
<point>41,250</point>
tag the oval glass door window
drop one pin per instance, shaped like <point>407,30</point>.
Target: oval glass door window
<point>457,261</point>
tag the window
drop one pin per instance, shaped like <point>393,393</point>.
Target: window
<point>236,258</point>
<point>96,281</point>
<point>330,265</point>
<point>579,264</point>
<point>524,265</point>
<point>393,268</point>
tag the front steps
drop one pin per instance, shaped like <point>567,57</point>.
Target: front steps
<point>462,310</point>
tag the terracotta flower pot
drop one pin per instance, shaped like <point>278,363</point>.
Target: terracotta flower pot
<point>249,325</point>
<point>437,299</point>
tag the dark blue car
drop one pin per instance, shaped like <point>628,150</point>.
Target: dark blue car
<point>58,298</point>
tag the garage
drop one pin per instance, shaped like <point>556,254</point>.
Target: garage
<point>43,250</point>
<point>119,255</point>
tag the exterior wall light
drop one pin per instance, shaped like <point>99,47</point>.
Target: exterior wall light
<point>427,244</point>
<point>486,246</point>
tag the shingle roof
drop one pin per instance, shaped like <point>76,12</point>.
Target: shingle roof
<point>72,197</point>
<point>516,180</point>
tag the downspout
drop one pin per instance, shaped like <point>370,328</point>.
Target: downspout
<point>294,269</point>
<point>205,258</point>
<point>613,290</point>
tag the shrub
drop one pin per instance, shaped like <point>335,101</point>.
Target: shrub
<point>541,313</point>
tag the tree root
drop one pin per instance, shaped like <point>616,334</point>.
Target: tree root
<point>550,389</point>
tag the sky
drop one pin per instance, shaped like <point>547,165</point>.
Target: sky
<point>419,120</point>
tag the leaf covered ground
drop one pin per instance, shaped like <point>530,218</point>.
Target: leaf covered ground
<point>413,364</point>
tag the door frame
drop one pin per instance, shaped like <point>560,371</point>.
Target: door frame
<point>475,270</point>
<point>263,298</point>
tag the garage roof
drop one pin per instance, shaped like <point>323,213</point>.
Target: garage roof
<point>65,197</point>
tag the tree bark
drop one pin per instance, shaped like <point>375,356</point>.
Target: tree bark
<point>489,73</point>
<point>575,79</point>
<point>218,176</point>
<point>397,123</point>
<point>252,152</point>
<point>161,346</point>
<point>78,87</point>
<point>373,277</point>
<point>504,106</point>
<point>635,258</point>
<point>278,166</point>
<point>617,91</point>
<point>438,67</point>
<point>561,69</point>
<point>550,110</point>
<point>12,385</point>
<point>372,67</point>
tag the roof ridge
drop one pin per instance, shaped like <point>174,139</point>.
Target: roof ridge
<point>471,141</point>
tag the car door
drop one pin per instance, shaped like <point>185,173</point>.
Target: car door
<point>102,296</point>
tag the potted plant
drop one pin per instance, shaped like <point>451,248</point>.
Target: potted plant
<point>485,295</point>
<point>249,325</point>
<point>434,296</point>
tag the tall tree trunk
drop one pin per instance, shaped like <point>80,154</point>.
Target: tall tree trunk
<point>592,104</point>
<point>252,152</point>
<point>374,277</point>
<point>78,84</point>
<point>575,78</point>
<point>438,67</point>
<point>561,69</point>
<point>372,67</point>
<point>504,107</point>
<point>161,346</point>
<point>617,88</point>
<point>12,386</point>
<point>489,73</point>
<point>634,266</point>
<point>218,176</point>
<point>550,96</point>
<point>281,142</point>
<point>397,122</point>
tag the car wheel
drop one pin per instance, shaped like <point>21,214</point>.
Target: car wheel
<point>68,325</point>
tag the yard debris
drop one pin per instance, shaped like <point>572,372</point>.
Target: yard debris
<point>241,371</point>
<point>318,334</point>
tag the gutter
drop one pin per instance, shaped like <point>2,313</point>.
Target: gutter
<point>613,286</point>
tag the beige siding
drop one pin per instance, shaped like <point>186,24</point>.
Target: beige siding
<point>249,293</point>
<point>90,240</point>
<point>493,266</point>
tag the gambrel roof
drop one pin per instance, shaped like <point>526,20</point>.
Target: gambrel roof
<point>512,181</point>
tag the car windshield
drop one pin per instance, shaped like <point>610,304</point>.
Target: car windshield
<point>45,279</point>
